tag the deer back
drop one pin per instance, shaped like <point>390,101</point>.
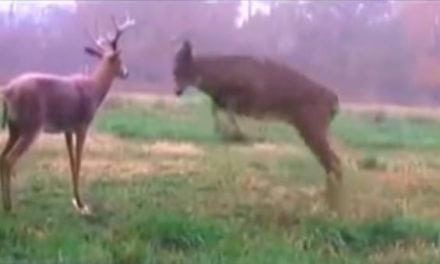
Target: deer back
<point>55,103</point>
<point>258,86</point>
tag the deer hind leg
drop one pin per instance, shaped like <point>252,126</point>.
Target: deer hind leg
<point>22,144</point>
<point>314,133</point>
<point>81,207</point>
<point>12,139</point>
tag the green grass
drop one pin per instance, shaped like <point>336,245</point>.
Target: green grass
<point>195,123</point>
<point>131,226</point>
<point>230,208</point>
<point>151,123</point>
<point>392,133</point>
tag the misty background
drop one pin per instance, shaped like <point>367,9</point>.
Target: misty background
<point>366,51</point>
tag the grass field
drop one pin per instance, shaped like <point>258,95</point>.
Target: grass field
<point>165,189</point>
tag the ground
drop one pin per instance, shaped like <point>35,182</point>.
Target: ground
<point>165,189</point>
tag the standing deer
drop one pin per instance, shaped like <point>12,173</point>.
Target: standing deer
<point>265,89</point>
<point>36,102</point>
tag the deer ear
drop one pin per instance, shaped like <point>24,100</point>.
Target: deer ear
<point>93,52</point>
<point>184,55</point>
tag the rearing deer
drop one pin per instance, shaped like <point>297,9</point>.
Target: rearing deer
<point>38,102</point>
<point>263,88</point>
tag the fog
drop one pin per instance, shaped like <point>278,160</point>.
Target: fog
<point>366,51</point>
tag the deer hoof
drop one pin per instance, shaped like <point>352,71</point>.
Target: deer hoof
<point>82,210</point>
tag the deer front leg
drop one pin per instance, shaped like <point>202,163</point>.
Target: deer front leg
<point>328,159</point>
<point>69,144</point>
<point>76,162</point>
<point>218,127</point>
<point>70,151</point>
<point>215,115</point>
<point>237,134</point>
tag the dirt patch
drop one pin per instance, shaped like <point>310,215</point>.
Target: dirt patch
<point>168,148</point>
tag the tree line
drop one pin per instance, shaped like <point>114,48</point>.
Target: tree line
<point>382,51</point>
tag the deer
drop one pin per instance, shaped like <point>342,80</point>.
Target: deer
<point>263,89</point>
<point>36,102</point>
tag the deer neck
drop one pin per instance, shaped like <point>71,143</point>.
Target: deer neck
<point>204,82</point>
<point>103,78</point>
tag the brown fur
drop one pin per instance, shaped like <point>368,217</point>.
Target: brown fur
<point>262,88</point>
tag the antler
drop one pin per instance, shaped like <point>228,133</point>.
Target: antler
<point>120,28</point>
<point>99,41</point>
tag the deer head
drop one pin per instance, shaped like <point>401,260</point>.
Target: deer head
<point>106,49</point>
<point>185,73</point>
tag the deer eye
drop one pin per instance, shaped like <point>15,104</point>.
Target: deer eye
<point>113,58</point>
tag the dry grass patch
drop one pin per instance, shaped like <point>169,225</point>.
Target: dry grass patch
<point>109,156</point>
<point>144,98</point>
<point>93,168</point>
<point>168,148</point>
<point>146,101</point>
<point>270,149</point>
<point>119,169</point>
<point>283,201</point>
<point>95,143</point>
<point>393,110</point>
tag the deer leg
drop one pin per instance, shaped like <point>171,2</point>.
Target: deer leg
<point>314,134</point>
<point>69,144</point>
<point>215,115</point>
<point>5,182</point>
<point>237,134</point>
<point>23,143</point>
<point>12,139</point>
<point>331,163</point>
<point>77,201</point>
